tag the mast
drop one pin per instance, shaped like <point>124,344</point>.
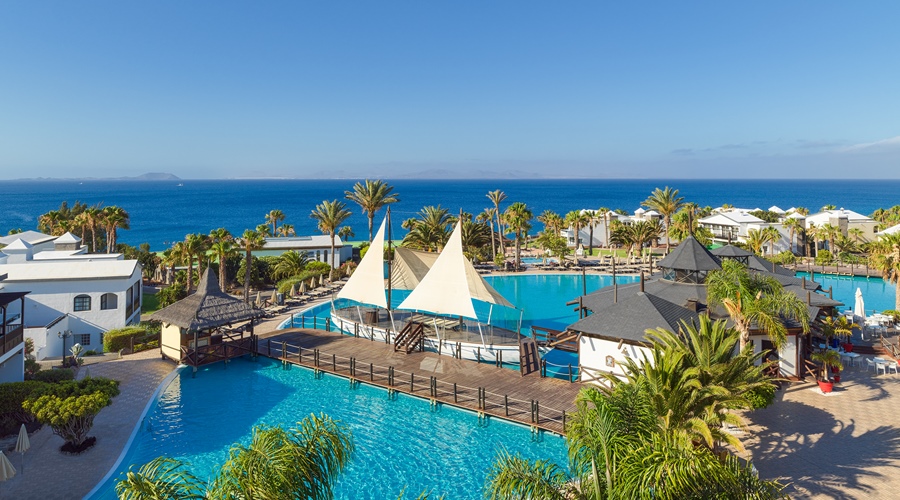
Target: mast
<point>389,259</point>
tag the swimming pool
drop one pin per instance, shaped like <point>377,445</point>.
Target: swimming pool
<point>400,441</point>
<point>877,294</point>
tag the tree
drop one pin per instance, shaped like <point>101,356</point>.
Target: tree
<point>371,196</point>
<point>303,462</point>
<point>330,215</point>
<point>553,243</point>
<point>287,230</point>
<point>771,236</point>
<point>250,241</point>
<point>666,202</point>
<point>290,263</point>
<point>829,232</point>
<point>795,226</point>
<point>886,258</point>
<point>345,233</point>
<point>576,219</point>
<point>518,220</point>
<point>114,218</point>
<point>195,245</point>
<point>264,230</point>
<point>69,408</point>
<point>222,245</point>
<point>475,237</point>
<point>93,218</point>
<point>591,219</point>
<point>274,217</point>
<point>755,240</point>
<point>497,197</point>
<point>755,299</point>
<point>430,231</point>
<point>487,216</point>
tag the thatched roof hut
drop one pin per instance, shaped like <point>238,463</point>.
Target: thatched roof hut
<point>209,307</point>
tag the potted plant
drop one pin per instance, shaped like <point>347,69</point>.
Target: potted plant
<point>828,358</point>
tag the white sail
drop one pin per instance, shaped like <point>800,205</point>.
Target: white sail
<point>451,284</point>
<point>366,285</point>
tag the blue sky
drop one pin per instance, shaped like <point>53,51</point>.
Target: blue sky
<point>395,88</point>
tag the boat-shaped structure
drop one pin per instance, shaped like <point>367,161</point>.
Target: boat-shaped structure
<point>436,302</point>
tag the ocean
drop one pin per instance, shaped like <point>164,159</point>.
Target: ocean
<point>165,211</point>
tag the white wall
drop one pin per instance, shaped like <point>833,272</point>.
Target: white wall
<point>592,353</point>
<point>12,365</point>
<point>47,343</point>
<point>787,356</point>
<point>170,339</point>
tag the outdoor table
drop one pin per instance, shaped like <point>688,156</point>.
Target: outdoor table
<point>851,357</point>
<point>881,363</point>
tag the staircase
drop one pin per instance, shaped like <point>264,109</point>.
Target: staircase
<point>410,338</point>
<point>529,361</point>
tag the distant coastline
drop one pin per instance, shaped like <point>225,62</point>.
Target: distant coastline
<point>150,176</point>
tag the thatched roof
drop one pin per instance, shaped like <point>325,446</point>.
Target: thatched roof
<point>209,307</point>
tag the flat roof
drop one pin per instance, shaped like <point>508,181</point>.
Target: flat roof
<point>68,270</point>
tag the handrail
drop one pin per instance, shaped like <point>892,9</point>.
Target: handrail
<point>388,375</point>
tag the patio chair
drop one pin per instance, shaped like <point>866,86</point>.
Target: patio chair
<point>890,366</point>
<point>871,363</point>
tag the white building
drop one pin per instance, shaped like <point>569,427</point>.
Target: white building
<point>890,230</point>
<point>317,247</point>
<point>74,297</point>
<point>12,339</point>
<point>845,220</point>
<point>600,227</point>
<point>734,226</point>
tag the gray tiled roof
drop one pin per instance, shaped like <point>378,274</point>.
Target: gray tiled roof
<point>730,251</point>
<point>690,255</point>
<point>632,316</point>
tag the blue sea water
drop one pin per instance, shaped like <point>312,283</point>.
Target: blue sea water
<point>163,211</point>
<point>400,443</point>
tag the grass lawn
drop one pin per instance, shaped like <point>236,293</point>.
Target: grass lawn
<point>150,303</point>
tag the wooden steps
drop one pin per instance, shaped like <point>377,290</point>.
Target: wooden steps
<point>410,338</point>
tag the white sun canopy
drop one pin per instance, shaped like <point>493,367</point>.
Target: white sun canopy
<point>451,284</point>
<point>410,267</point>
<point>366,285</point>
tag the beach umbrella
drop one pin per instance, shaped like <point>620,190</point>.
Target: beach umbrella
<point>859,309</point>
<point>294,290</point>
<point>7,471</point>
<point>312,283</point>
<point>274,298</point>
<point>258,299</point>
<point>321,280</point>
<point>22,444</point>
<point>303,287</point>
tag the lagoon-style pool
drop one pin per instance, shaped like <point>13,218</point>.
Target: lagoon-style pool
<point>878,295</point>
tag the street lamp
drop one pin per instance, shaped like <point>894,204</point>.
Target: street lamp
<point>64,335</point>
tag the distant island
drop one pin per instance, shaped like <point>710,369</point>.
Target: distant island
<point>150,176</point>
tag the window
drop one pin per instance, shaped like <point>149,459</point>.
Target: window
<point>84,339</point>
<point>83,303</point>
<point>109,301</point>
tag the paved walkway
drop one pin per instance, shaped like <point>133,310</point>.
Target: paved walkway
<point>51,475</point>
<point>846,445</point>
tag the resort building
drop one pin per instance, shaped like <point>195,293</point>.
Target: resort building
<point>848,222</point>
<point>74,297</point>
<point>38,241</point>
<point>600,232</point>
<point>734,226</point>
<point>620,315</point>
<point>317,247</point>
<point>889,231</point>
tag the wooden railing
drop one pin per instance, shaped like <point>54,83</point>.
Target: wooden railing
<point>563,340</point>
<point>13,335</point>
<point>216,352</point>
<point>893,349</point>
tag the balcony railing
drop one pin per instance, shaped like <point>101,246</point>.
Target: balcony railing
<point>10,337</point>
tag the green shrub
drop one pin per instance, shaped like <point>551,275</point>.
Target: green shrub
<point>785,257</point>
<point>13,394</point>
<point>54,376</point>
<point>284,286</point>
<point>171,294</point>
<point>761,397</point>
<point>31,367</point>
<point>893,314</point>
<point>90,352</point>
<point>120,338</point>
<point>824,258</point>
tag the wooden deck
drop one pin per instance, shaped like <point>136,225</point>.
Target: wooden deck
<point>542,403</point>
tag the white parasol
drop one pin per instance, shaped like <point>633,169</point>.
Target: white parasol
<point>22,444</point>
<point>859,309</point>
<point>7,471</point>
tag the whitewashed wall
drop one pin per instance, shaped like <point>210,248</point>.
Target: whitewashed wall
<point>592,353</point>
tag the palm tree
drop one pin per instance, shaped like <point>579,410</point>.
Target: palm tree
<point>195,245</point>
<point>330,215</point>
<point>222,245</point>
<point>795,226</point>
<point>666,202</point>
<point>605,215</point>
<point>430,231</point>
<point>772,236</point>
<point>290,263</point>
<point>829,232</point>
<point>371,196</point>
<point>93,218</point>
<point>487,216</point>
<point>303,462</point>
<point>576,219</point>
<point>274,217</point>
<point>755,240</point>
<point>287,230</point>
<point>518,220</point>
<point>754,299</point>
<point>591,218</point>
<point>345,233</point>
<point>264,230</point>
<point>858,234</point>
<point>497,197</point>
<point>886,258</point>
<point>250,241</point>
<point>644,232</point>
<point>114,218</point>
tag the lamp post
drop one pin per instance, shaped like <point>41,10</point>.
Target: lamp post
<point>64,335</point>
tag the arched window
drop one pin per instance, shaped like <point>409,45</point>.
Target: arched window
<point>82,303</point>
<point>109,301</point>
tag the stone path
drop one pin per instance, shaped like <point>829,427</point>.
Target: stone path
<point>51,475</point>
<point>845,445</point>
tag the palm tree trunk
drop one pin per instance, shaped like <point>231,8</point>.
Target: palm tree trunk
<point>190,276</point>
<point>500,232</point>
<point>247,276</point>
<point>591,241</point>
<point>493,241</point>
<point>332,253</point>
<point>518,249</point>
<point>371,222</point>
<point>93,239</point>
<point>222,270</point>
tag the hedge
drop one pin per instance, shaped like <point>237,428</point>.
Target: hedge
<point>284,286</point>
<point>54,376</point>
<point>120,338</point>
<point>13,394</point>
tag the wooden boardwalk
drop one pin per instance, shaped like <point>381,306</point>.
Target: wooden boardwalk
<point>542,403</point>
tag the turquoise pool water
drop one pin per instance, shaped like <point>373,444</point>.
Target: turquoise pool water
<point>399,443</point>
<point>878,295</point>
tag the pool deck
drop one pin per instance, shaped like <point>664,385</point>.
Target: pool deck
<point>507,394</point>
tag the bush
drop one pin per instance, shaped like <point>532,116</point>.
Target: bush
<point>70,417</point>
<point>120,338</point>
<point>31,367</point>
<point>284,286</point>
<point>824,258</point>
<point>171,294</point>
<point>54,376</point>
<point>317,267</point>
<point>13,394</point>
<point>90,352</point>
<point>761,397</point>
<point>785,257</point>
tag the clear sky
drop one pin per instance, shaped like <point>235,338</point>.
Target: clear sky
<point>392,88</point>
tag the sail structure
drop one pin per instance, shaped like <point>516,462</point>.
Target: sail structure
<point>451,284</point>
<point>366,284</point>
<point>410,267</point>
